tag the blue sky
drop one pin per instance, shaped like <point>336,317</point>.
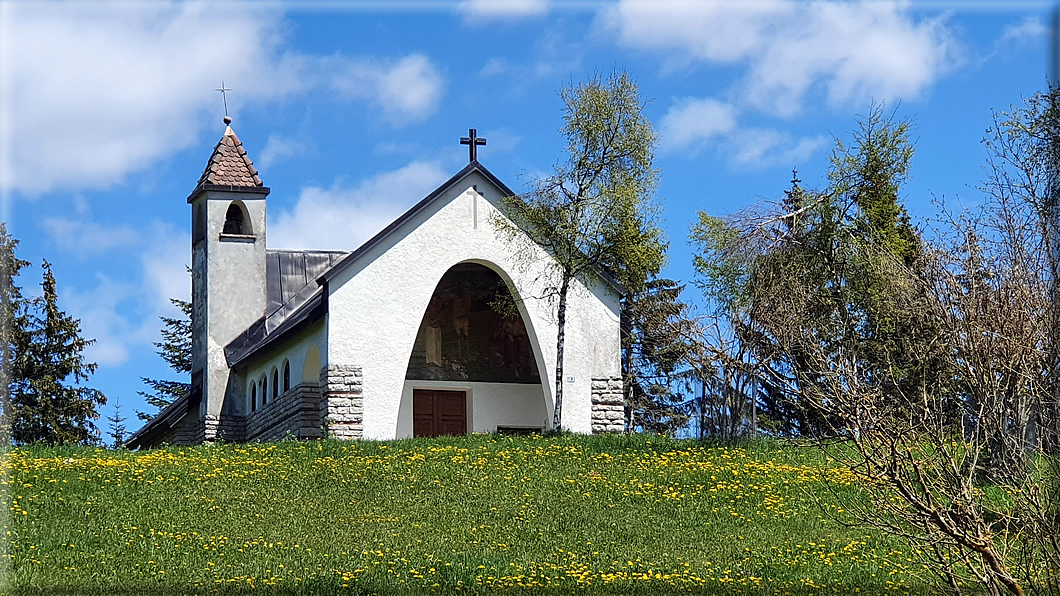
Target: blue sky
<point>352,112</point>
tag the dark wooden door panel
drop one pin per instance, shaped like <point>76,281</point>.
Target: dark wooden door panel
<point>437,413</point>
<point>423,414</point>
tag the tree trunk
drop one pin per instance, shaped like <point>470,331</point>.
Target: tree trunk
<point>561,322</point>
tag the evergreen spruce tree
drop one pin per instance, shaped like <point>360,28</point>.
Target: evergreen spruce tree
<point>175,349</point>
<point>12,306</point>
<point>657,349</point>
<point>117,426</point>
<point>49,400</point>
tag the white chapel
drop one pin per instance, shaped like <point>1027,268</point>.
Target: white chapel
<point>400,337</point>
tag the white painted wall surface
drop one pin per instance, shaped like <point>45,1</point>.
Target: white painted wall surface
<point>375,306</point>
<point>488,405</point>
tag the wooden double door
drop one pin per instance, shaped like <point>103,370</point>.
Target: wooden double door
<point>437,413</point>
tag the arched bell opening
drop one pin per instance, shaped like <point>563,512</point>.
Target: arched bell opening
<point>473,367</point>
<point>237,220</point>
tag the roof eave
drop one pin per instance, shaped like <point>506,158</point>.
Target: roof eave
<point>162,422</point>
<point>207,187</point>
<point>309,313</point>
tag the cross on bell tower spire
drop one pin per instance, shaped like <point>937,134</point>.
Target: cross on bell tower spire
<point>224,97</point>
<point>472,140</point>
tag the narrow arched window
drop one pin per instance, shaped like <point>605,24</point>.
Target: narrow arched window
<point>275,384</point>
<point>233,220</point>
<point>286,376</point>
<point>264,390</point>
<point>253,397</point>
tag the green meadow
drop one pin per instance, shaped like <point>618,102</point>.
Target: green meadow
<point>480,514</point>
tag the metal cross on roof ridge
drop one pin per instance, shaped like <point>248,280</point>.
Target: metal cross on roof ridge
<point>224,97</point>
<point>472,140</point>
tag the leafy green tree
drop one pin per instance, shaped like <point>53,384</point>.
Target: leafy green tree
<point>594,213</point>
<point>49,400</point>
<point>175,349</point>
<point>817,278</point>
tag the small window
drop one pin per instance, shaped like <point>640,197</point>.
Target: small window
<point>264,390</point>
<point>253,397</point>
<point>286,376</point>
<point>275,384</point>
<point>233,220</point>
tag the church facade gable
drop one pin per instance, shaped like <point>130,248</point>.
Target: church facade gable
<point>374,318</point>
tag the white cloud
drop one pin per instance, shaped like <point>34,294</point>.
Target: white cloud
<point>494,67</point>
<point>278,149</point>
<point>1029,29</point>
<point>121,315</point>
<point>691,122</point>
<point>164,268</point>
<point>92,92</point>
<point>757,148</point>
<point>407,90</point>
<point>84,238</point>
<point>385,148</point>
<point>342,218</point>
<point>99,310</point>
<point>556,54</point>
<point>480,11</point>
<point>855,51</point>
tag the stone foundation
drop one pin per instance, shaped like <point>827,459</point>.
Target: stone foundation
<point>295,414</point>
<point>225,428</point>
<point>608,405</point>
<point>341,401</point>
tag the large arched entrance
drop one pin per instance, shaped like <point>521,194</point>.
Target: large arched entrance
<point>472,367</point>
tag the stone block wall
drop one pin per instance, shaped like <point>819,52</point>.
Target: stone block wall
<point>341,401</point>
<point>296,413</point>
<point>226,428</point>
<point>608,409</point>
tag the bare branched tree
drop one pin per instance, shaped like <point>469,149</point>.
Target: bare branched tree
<point>927,367</point>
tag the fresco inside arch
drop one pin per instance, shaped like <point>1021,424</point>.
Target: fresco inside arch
<point>472,332</point>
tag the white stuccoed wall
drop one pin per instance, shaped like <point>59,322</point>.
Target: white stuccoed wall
<point>375,307</point>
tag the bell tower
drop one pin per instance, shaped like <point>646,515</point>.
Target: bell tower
<point>228,277</point>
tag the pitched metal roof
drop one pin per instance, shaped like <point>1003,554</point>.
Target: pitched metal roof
<point>165,420</point>
<point>293,298</point>
<point>289,272</point>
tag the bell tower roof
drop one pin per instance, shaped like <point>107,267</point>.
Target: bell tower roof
<point>229,167</point>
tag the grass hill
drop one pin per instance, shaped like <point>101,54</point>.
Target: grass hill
<point>521,515</point>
